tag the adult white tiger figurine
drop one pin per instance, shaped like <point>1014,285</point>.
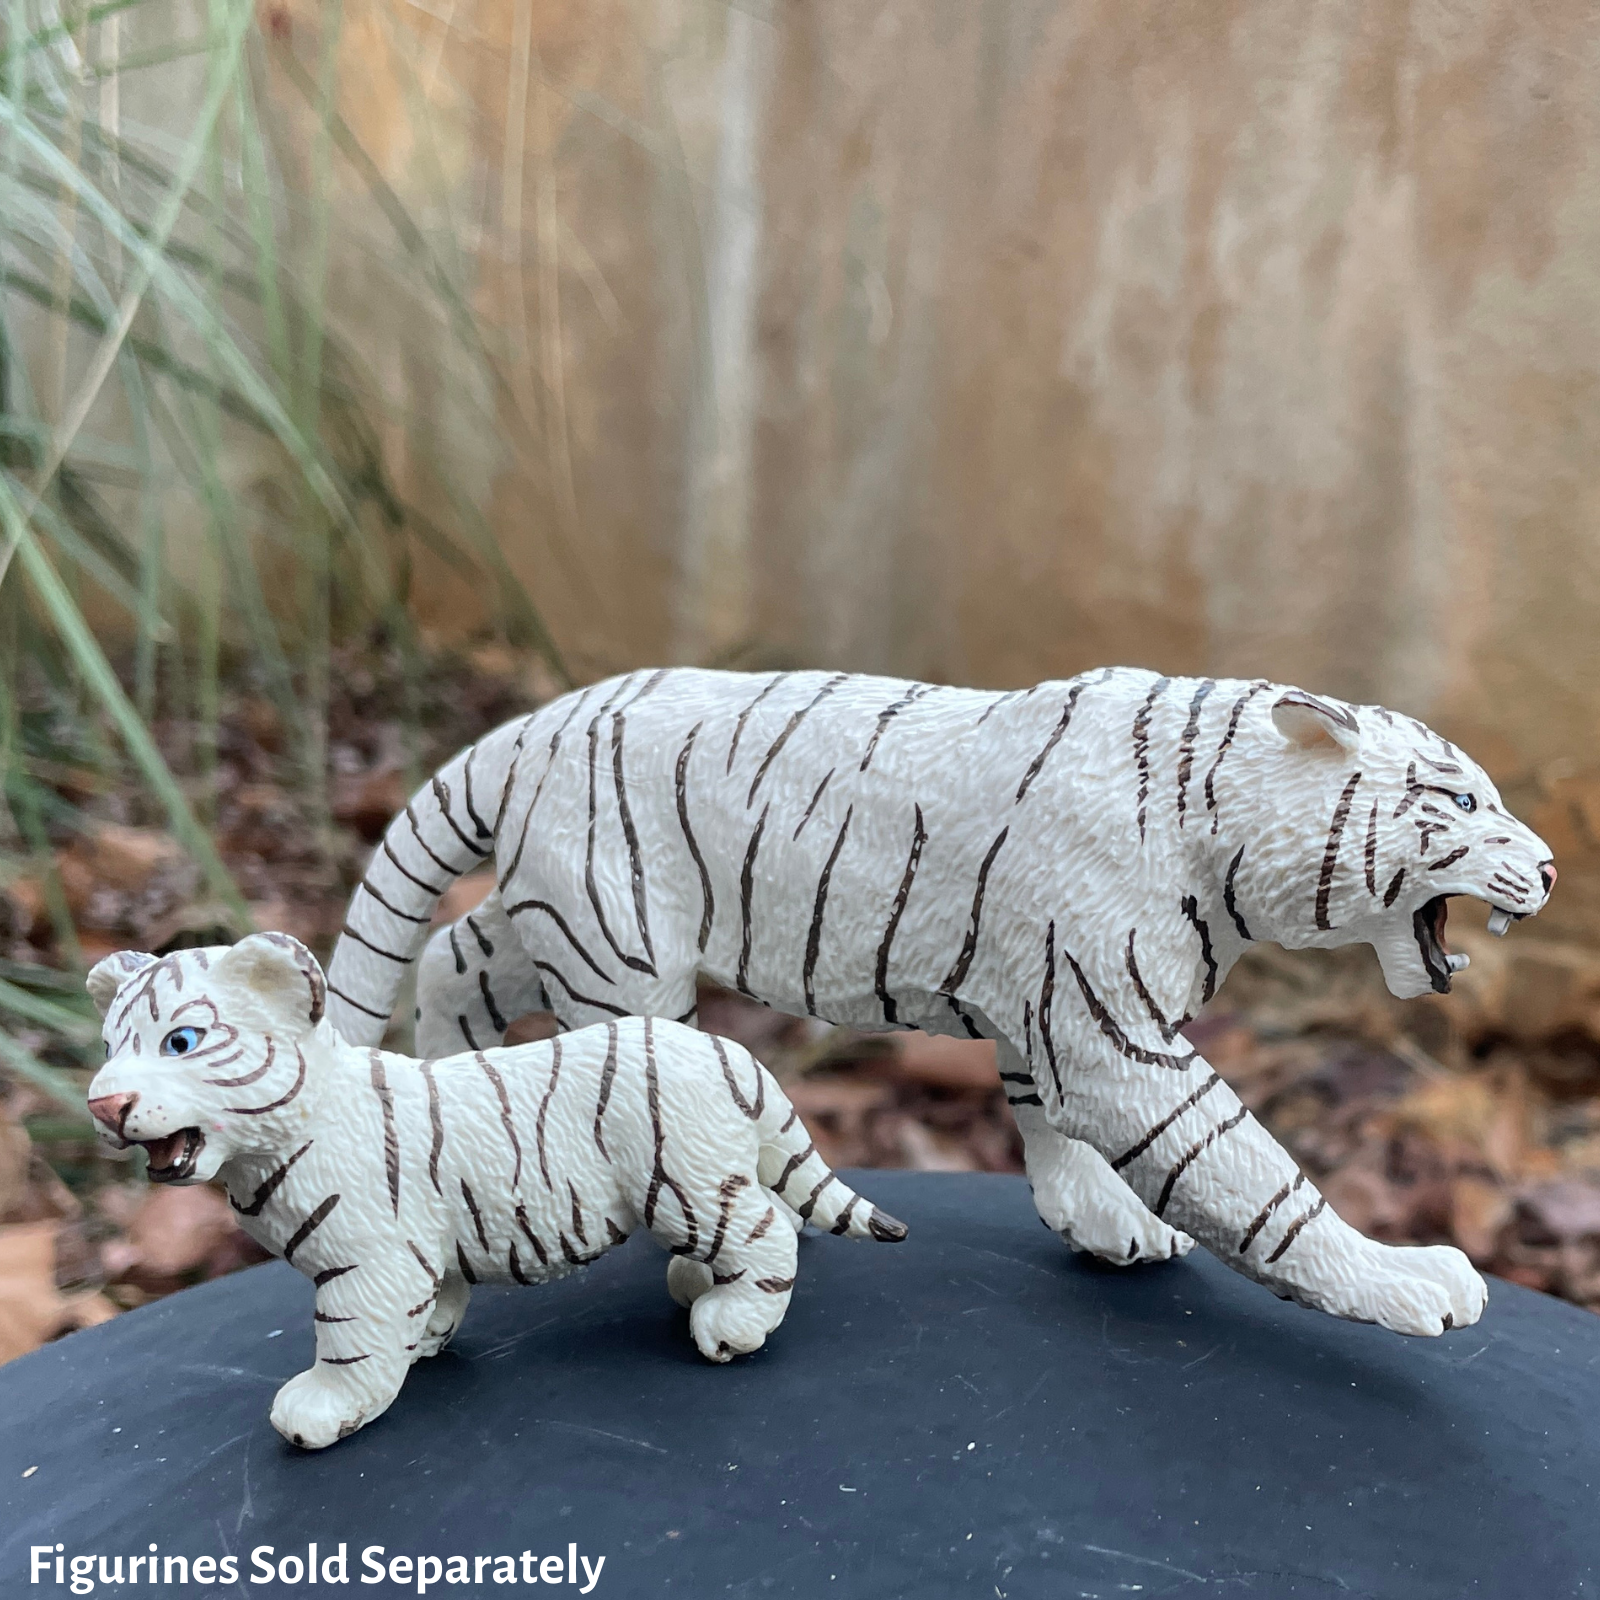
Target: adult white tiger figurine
<point>1069,870</point>
<point>395,1185</point>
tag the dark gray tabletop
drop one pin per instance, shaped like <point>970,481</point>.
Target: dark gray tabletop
<point>974,1413</point>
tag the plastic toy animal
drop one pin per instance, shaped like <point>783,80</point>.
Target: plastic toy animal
<point>1069,870</point>
<point>395,1185</point>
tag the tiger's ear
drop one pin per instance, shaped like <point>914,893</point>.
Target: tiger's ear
<point>109,975</point>
<point>1305,720</point>
<point>280,976</point>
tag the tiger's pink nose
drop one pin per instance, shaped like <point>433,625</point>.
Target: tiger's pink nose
<point>111,1110</point>
<point>1547,875</point>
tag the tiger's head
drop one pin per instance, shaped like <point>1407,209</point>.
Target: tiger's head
<point>1358,825</point>
<point>206,1051</point>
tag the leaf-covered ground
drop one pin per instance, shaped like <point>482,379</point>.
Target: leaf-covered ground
<point>1422,1123</point>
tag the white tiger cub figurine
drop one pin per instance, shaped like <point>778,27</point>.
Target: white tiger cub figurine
<point>1069,870</point>
<point>395,1185</point>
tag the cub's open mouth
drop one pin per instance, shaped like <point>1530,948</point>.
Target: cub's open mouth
<point>173,1159</point>
<point>1428,925</point>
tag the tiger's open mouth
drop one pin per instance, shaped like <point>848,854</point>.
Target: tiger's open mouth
<point>1428,925</point>
<point>172,1160</point>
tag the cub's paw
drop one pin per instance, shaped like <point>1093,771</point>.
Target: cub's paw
<point>726,1324</point>
<point>1424,1290</point>
<point>1123,1236</point>
<point>431,1342</point>
<point>687,1280</point>
<point>312,1413</point>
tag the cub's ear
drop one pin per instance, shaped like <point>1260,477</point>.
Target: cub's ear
<point>1305,720</point>
<point>107,976</point>
<point>280,976</point>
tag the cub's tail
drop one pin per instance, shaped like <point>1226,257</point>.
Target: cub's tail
<point>446,830</point>
<point>792,1169</point>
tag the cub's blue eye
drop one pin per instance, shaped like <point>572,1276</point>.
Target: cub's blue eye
<point>1465,801</point>
<point>181,1041</point>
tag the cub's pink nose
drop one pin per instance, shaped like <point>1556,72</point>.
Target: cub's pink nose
<point>1547,875</point>
<point>111,1110</point>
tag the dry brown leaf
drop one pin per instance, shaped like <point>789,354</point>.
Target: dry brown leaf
<point>32,1310</point>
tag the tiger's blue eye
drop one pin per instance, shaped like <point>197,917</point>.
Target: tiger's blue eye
<point>1465,801</point>
<point>181,1041</point>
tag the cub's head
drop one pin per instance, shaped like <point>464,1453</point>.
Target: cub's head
<point>1364,824</point>
<point>205,1051</point>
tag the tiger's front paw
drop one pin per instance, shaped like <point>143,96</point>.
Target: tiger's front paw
<point>1423,1290</point>
<point>313,1412</point>
<point>1141,1238</point>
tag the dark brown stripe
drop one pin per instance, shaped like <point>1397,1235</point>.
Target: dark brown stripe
<point>322,1316</point>
<point>728,1195</point>
<point>582,999</point>
<point>422,1261</point>
<point>343,1361</point>
<point>427,849</point>
<point>433,889</point>
<point>261,1111</point>
<point>1186,744</point>
<point>793,1165</point>
<point>1191,909</point>
<point>1191,1153</point>
<point>515,1263</point>
<point>641,912</point>
<point>1047,993</point>
<point>1414,792</point>
<point>496,1020</point>
<point>532,1238</point>
<point>708,901</point>
<point>957,975</point>
<point>1370,856</point>
<point>809,1204</point>
<point>1451,859</point>
<point>328,1274</point>
<point>441,793</point>
<point>788,730</point>
<point>1157,1016</point>
<point>376,949</point>
<point>393,910</point>
<point>1266,1211</point>
<point>1037,764</point>
<point>826,778</point>
<point>753,1111</point>
<point>466,1032</point>
<point>456,951</point>
<point>382,1016</point>
<point>478,824</point>
<point>270,1184</point>
<point>1141,745</point>
<point>1227,744</point>
<point>309,1226</point>
<point>544,1110</point>
<point>635,962</point>
<point>775,1285</point>
<point>1392,892</point>
<point>744,716</point>
<point>464,1264</point>
<point>746,890</point>
<point>249,1077</point>
<point>842,1225</point>
<point>614,1233</point>
<point>607,1074</point>
<point>577,1214</point>
<point>435,1121</point>
<point>768,1218</point>
<point>1135,1151</point>
<point>1295,1227</point>
<point>659,1177</point>
<point>484,944</point>
<point>887,715</point>
<point>919,837</point>
<point>1107,1025</point>
<point>477,1215</point>
<point>494,1077</point>
<point>567,933</point>
<point>819,906</point>
<point>1229,901</point>
<point>1330,856</point>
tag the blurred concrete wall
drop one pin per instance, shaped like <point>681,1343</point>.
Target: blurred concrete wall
<point>990,339</point>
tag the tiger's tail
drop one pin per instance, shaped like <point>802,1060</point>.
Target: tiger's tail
<point>791,1167</point>
<point>446,830</point>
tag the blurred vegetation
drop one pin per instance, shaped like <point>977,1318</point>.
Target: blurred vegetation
<point>163,297</point>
